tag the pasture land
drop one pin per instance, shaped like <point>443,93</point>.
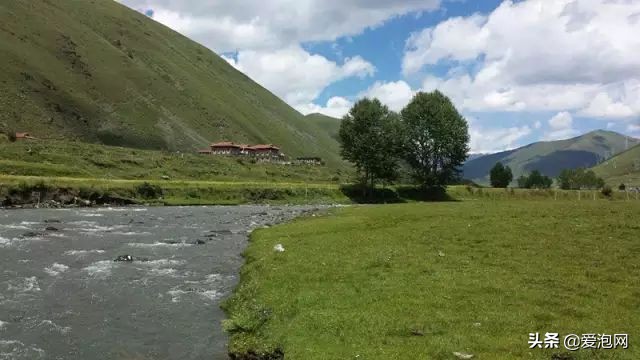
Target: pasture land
<point>425,280</point>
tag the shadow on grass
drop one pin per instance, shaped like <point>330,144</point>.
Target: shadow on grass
<point>360,194</point>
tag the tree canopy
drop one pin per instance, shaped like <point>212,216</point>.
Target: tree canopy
<point>500,176</point>
<point>575,179</point>
<point>370,138</point>
<point>436,139</point>
<point>535,180</point>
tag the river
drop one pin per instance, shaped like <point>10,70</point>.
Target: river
<point>62,295</point>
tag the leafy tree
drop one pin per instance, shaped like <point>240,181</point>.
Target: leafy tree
<point>535,180</point>
<point>500,176</point>
<point>436,139</point>
<point>370,136</point>
<point>579,179</point>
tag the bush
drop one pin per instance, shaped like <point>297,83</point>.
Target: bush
<point>11,135</point>
<point>622,187</point>
<point>607,191</point>
<point>149,191</point>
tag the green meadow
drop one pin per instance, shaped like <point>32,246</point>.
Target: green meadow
<point>427,280</point>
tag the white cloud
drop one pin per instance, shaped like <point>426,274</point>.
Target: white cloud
<point>536,55</point>
<point>456,39</point>
<point>336,107</point>
<point>603,106</point>
<point>537,125</point>
<point>393,94</point>
<point>561,121</point>
<point>490,140</point>
<point>295,75</point>
<point>255,24</point>
<point>634,129</point>
<point>561,127</point>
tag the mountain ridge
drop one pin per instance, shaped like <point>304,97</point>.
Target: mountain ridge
<point>551,157</point>
<point>99,72</point>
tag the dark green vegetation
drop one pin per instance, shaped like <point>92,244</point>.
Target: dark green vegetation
<point>535,180</point>
<point>579,179</point>
<point>551,157</point>
<point>500,176</point>
<point>436,139</point>
<point>621,169</point>
<point>75,159</point>
<point>370,138</point>
<point>422,281</point>
<point>429,137</point>
<point>98,72</point>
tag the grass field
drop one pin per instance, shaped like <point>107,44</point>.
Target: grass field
<point>422,281</point>
<point>75,159</point>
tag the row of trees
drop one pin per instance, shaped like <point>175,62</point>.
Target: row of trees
<point>579,179</point>
<point>569,179</point>
<point>429,137</point>
<point>535,180</point>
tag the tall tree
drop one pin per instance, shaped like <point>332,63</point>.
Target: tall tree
<point>370,137</point>
<point>500,176</point>
<point>436,138</point>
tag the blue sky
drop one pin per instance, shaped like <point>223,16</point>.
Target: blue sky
<point>519,71</point>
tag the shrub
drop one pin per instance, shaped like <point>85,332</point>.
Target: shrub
<point>607,191</point>
<point>11,135</point>
<point>149,191</point>
<point>622,187</point>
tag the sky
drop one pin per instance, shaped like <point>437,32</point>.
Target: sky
<point>518,71</point>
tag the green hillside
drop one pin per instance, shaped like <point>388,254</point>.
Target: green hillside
<point>56,158</point>
<point>623,168</point>
<point>551,157</point>
<point>97,71</point>
<point>329,124</point>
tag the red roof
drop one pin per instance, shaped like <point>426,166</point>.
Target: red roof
<point>225,144</point>
<point>22,135</point>
<point>264,147</point>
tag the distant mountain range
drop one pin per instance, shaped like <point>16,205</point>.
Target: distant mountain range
<point>551,157</point>
<point>99,72</point>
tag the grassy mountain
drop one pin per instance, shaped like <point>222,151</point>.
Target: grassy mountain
<point>551,157</point>
<point>623,168</point>
<point>97,71</point>
<point>329,124</point>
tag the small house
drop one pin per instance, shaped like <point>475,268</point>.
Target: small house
<point>225,148</point>
<point>266,151</point>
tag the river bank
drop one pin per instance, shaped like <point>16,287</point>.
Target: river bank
<point>61,192</point>
<point>63,295</point>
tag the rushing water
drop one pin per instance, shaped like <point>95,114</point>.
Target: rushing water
<point>63,297</point>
